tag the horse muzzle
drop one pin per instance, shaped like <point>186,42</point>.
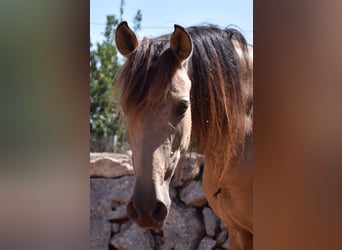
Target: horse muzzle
<point>149,205</point>
<point>149,216</point>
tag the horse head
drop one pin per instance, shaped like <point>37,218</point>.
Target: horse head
<point>155,99</point>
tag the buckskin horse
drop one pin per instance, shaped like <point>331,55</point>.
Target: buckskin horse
<point>194,83</point>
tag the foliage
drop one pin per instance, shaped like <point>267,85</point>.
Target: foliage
<point>105,119</point>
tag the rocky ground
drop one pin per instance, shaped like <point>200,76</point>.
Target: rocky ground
<point>191,224</point>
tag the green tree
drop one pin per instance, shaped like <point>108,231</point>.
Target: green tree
<point>105,119</point>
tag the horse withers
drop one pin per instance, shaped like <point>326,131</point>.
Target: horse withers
<point>196,82</point>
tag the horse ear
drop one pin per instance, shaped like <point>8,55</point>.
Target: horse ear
<point>181,43</point>
<point>125,39</point>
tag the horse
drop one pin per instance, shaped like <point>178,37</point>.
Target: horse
<point>191,87</point>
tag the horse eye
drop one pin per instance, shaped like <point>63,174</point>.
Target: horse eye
<point>182,107</point>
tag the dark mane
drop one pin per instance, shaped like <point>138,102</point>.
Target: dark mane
<point>219,107</point>
<point>217,97</point>
<point>148,70</point>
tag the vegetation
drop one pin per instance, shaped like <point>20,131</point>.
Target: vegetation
<point>106,126</point>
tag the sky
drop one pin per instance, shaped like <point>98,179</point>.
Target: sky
<point>159,16</point>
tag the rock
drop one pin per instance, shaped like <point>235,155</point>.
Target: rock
<point>132,239</point>
<point>102,192</point>
<point>182,229</point>
<point>173,193</point>
<point>188,169</point>
<point>115,227</point>
<point>114,191</point>
<point>221,238</point>
<point>127,224</point>
<point>193,195</point>
<point>211,221</point>
<point>100,231</point>
<point>223,226</point>
<point>116,204</point>
<point>109,165</point>
<point>100,197</point>
<point>206,244</point>
<point>225,245</point>
<point>118,214</point>
<point>96,156</point>
<point>159,240</point>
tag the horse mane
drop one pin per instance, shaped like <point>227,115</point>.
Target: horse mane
<point>218,104</point>
<point>147,71</point>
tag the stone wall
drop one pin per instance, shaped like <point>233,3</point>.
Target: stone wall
<point>191,224</point>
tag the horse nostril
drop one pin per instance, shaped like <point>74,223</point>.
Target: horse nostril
<point>160,212</point>
<point>151,216</point>
<point>131,211</point>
